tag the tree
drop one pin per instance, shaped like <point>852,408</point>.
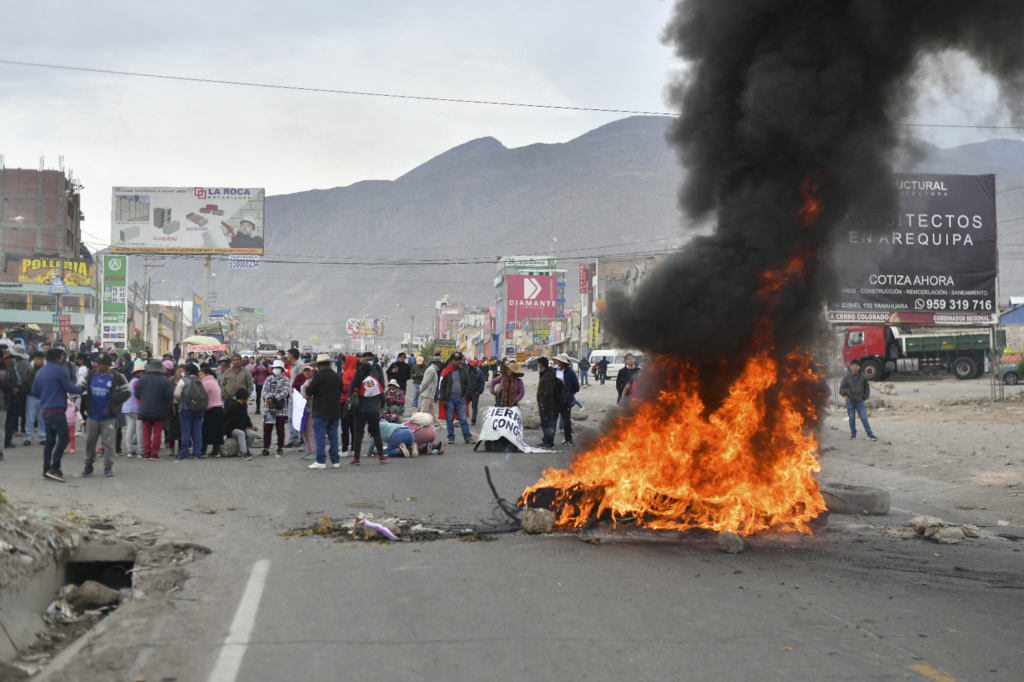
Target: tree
<point>137,344</point>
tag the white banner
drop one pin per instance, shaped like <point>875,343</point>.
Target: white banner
<point>506,422</point>
<point>187,220</point>
<point>298,406</point>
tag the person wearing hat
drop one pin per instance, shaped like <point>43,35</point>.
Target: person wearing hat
<point>400,371</point>
<point>508,387</point>
<point>105,392</point>
<point>428,388</point>
<point>416,374</point>
<point>394,403</point>
<point>130,410</point>
<point>571,386</point>
<point>153,391</point>
<point>277,393</point>
<point>324,389</point>
<point>243,238</point>
<point>8,384</point>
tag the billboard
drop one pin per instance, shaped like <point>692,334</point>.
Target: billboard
<point>77,273</point>
<point>197,310</point>
<point>531,296</point>
<point>114,323</point>
<point>935,262</point>
<point>364,325</point>
<point>187,220</point>
<point>444,348</point>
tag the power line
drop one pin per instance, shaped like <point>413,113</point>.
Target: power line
<point>450,100</point>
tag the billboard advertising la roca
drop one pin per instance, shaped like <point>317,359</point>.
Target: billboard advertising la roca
<point>187,220</point>
<point>935,262</point>
<point>531,296</point>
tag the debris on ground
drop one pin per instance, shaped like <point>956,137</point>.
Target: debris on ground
<point>92,595</point>
<point>730,543</point>
<point>538,520</point>
<point>367,528</point>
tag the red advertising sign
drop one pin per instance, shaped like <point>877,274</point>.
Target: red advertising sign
<point>531,296</point>
<point>584,279</point>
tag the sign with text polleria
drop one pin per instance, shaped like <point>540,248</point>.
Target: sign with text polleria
<point>934,262</point>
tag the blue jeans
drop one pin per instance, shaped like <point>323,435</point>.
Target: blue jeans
<point>191,433</point>
<point>56,427</point>
<point>584,377</point>
<point>457,407</point>
<point>401,436</point>
<point>855,410</point>
<point>31,415</point>
<point>326,430</point>
<point>415,395</point>
<point>548,419</point>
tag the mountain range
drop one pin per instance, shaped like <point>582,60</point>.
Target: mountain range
<point>392,248</point>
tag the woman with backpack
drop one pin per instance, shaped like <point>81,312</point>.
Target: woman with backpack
<point>192,399</point>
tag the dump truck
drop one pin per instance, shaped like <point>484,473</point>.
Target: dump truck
<point>885,350</point>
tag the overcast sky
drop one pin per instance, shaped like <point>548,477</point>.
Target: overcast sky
<point>118,130</point>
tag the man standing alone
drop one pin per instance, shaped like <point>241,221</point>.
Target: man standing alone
<point>856,389</point>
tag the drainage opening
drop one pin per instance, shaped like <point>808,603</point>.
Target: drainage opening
<point>117,575</point>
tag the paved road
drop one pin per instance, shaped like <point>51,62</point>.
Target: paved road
<point>850,604</point>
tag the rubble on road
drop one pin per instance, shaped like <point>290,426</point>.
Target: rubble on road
<point>934,528</point>
<point>730,543</point>
<point>91,595</point>
<point>537,521</point>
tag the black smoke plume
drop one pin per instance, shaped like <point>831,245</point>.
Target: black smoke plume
<point>780,90</point>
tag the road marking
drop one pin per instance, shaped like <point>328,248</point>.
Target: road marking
<point>901,511</point>
<point>235,644</point>
<point>932,673</point>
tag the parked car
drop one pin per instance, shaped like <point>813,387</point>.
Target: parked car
<point>1010,374</point>
<point>531,363</point>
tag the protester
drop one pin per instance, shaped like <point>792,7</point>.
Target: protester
<point>16,408</point>
<point>325,390</point>
<point>547,401</point>
<point>237,423</point>
<point>478,382</point>
<point>508,387</point>
<point>236,377</point>
<point>52,386</point>
<point>365,400</point>
<point>416,372</point>
<point>192,398</point>
<point>584,371</point>
<point>349,365</point>
<point>571,386</point>
<point>130,410</point>
<point>172,423</point>
<point>425,433</point>
<point>856,389</point>
<point>400,439</point>
<point>625,374</point>
<point>394,403</point>
<point>602,369</point>
<point>453,394</point>
<point>276,396</point>
<point>33,419</point>
<point>400,372</point>
<point>8,384</point>
<point>259,376</point>
<point>105,392</point>
<point>176,355</point>
<point>153,391</point>
<point>213,418</point>
<point>306,431</point>
<point>428,388</point>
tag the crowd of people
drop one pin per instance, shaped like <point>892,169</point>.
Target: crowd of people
<point>186,406</point>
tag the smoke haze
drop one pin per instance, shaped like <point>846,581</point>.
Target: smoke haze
<point>780,90</point>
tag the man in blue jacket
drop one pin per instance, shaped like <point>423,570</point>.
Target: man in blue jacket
<point>52,386</point>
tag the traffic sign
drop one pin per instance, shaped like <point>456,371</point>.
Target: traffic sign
<point>58,287</point>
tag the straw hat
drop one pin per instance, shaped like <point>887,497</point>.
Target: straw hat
<point>514,366</point>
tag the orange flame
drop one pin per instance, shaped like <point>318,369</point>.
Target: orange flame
<point>745,467</point>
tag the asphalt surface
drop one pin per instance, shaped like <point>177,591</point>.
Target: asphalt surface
<point>855,602</point>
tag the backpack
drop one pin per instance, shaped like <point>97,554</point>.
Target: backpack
<point>193,396</point>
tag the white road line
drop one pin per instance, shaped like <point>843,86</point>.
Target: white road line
<point>235,644</point>
<point>901,511</point>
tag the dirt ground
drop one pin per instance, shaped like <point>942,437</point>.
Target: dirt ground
<point>942,442</point>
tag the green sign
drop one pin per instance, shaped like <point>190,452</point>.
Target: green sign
<point>114,328</point>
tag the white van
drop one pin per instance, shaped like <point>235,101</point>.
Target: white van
<point>616,359</point>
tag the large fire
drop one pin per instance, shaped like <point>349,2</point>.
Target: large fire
<point>744,467</point>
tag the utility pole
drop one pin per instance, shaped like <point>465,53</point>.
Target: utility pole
<point>206,289</point>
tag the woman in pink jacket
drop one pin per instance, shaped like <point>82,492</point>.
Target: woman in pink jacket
<point>508,387</point>
<point>213,419</point>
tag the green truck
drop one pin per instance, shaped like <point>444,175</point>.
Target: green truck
<point>884,350</point>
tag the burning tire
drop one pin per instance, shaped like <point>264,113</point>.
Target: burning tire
<point>964,368</point>
<point>855,499</point>
<point>872,369</point>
